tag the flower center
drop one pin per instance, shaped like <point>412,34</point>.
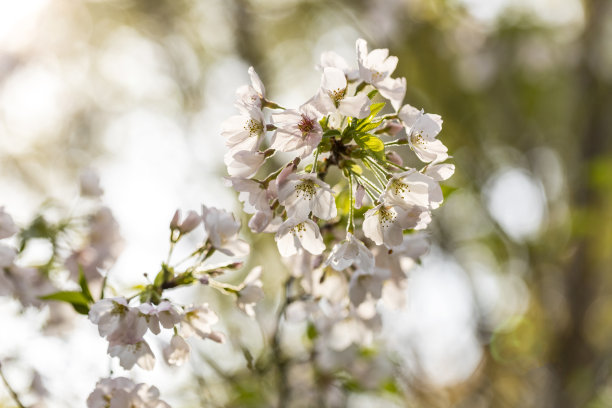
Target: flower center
<point>337,94</point>
<point>306,189</point>
<point>417,138</point>
<point>254,127</point>
<point>376,76</point>
<point>398,187</point>
<point>299,229</point>
<point>306,125</point>
<point>386,216</point>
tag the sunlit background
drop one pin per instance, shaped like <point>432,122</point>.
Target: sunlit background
<point>513,305</point>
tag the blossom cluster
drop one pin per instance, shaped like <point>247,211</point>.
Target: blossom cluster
<point>123,392</point>
<point>125,325</point>
<point>347,125</point>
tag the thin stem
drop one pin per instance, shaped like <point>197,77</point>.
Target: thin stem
<point>376,173</point>
<point>367,186</point>
<point>367,183</point>
<point>170,250</point>
<point>14,395</point>
<point>400,142</point>
<point>226,287</point>
<point>284,390</point>
<point>316,160</point>
<point>398,166</point>
<point>350,227</point>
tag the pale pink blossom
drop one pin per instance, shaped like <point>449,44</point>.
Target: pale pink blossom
<point>7,226</point>
<point>222,229</point>
<point>422,129</point>
<point>295,234</point>
<point>177,352</point>
<point>376,67</point>
<point>297,130</point>
<point>302,194</point>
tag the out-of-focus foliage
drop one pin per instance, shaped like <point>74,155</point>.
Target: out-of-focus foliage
<point>526,102</point>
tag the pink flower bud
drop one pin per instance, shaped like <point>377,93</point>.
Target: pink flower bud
<point>359,194</point>
<point>393,157</point>
<point>190,222</point>
<point>174,224</point>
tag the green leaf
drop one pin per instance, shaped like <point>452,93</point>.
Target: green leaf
<point>372,93</point>
<point>375,108</point>
<point>77,299</point>
<point>370,126</point>
<point>331,133</point>
<point>372,145</point>
<point>84,286</point>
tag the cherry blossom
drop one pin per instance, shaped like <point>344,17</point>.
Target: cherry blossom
<point>253,95</point>
<point>177,352</point>
<point>7,226</point>
<point>295,234</point>
<point>222,229</point>
<point>422,129</point>
<point>122,392</point>
<point>297,130</point>
<point>376,67</point>
<point>350,252</point>
<point>302,194</point>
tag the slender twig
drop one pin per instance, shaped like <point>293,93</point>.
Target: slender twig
<point>10,389</point>
<point>314,164</point>
<point>349,226</point>
<point>284,390</point>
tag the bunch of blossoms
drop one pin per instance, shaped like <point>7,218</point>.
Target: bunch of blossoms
<point>125,321</point>
<point>89,226</point>
<point>351,239</point>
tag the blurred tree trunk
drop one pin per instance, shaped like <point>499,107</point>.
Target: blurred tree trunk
<point>576,365</point>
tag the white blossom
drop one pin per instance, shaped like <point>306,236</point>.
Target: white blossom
<point>305,193</point>
<point>332,96</point>
<point>333,60</point>
<point>350,252</point>
<point>244,131</point>
<point>253,95</point>
<point>117,321</point>
<point>422,129</point>
<point>90,183</point>
<point>376,67</point>
<point>243,163</point>
<point>297,130</point>
<point>251,292</point>
<point>198,320</point>
<point>440,171</point>
<point>385,223</point>
<point>7,226</point>
<point>122,392</point>
<point>222,229</point>
<point>253,194</point>
<point>130,354</point>
<point>165,313</point>
<point>366,283</point>
<point>177,352</point>
<point>411,188</point>
<point>294,234</point>
<point>7,256</point>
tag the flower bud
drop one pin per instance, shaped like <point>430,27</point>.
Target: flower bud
<point>174,224</point>
<point>359,194</point>
<point>393,157</point>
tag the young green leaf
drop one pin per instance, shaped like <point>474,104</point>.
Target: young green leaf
<point>84,286</point>
<point>77,299</point>
<point>372,145</point>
